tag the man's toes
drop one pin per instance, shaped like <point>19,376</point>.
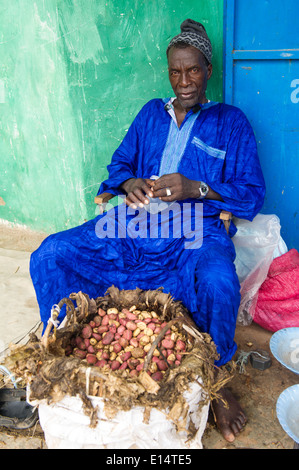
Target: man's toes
<point>227,433</point>
<point>230,430</point>
<point>238,425</point>
<point>241,421</point>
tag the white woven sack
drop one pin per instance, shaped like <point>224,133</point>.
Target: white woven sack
<point>67,427</point>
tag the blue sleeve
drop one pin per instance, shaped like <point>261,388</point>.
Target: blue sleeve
<point>125,159</point>
<point>242,187</point>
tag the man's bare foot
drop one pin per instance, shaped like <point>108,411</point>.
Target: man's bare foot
<point>230,421</point>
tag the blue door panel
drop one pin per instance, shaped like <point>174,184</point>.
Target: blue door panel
<point>265,25</point>
<point>264,83</point>
<point>275,119</point>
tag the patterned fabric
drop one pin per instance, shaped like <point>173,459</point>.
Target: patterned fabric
<point>202,276</point>
<point>194,34</point>
<point>176,145</point>
<point>220,150</point>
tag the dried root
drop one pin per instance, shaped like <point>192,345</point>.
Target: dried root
<point>51,374</point>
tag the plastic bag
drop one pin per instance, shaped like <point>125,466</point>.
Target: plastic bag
<point>256,244</point>
<point>277,304</point>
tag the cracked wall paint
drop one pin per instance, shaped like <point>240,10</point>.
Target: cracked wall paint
<point>73,75</point>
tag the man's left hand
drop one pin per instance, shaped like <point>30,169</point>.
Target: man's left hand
<point>173,187</point>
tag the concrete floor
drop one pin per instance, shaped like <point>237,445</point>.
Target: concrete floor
<point>257,390</point>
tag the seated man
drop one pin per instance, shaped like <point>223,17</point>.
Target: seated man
<point>204,159</point>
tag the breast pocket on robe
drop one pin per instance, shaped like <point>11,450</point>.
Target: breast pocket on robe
<point>203,160</point>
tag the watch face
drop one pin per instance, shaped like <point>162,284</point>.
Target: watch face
<point>204,189</point>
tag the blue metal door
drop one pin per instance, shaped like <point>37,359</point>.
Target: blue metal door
<point>261,76</point>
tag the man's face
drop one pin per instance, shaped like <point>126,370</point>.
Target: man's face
<point>188,75</point>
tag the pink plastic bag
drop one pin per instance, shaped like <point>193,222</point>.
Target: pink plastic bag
<point>277,305</point>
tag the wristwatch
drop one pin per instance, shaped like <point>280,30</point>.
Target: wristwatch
<point>203,190</point>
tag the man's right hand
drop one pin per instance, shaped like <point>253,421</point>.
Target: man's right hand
<point>137,189</point>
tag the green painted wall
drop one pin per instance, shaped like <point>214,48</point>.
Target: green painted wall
<point>73,74</point>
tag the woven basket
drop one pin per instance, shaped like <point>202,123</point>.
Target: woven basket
<point>51,375</point>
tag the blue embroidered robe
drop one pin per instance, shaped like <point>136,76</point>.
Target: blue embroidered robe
<point>215,144</point>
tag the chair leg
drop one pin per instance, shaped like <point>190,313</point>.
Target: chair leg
<point>226,217</point>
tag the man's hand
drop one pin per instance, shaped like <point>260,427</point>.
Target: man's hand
<point>137,189</point>
<point>179,186</point>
